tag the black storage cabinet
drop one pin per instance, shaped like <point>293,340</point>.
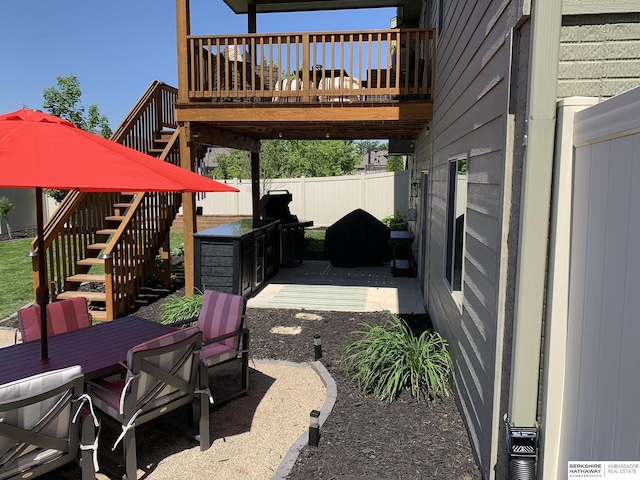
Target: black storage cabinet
<point>236,257</point>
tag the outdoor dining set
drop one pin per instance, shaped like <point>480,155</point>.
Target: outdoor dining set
<point>121,374</point>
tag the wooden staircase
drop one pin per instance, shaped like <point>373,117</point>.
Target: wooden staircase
<point>102,246</point>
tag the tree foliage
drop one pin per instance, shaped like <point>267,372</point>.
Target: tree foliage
<point>64,101</point>
<point>235,164</point>
<point>292,158</point>
<point>365,146</point>
<point>395,163</point>
<point>5,207</point>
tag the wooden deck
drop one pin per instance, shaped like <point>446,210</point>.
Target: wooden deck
<point>338,85</point>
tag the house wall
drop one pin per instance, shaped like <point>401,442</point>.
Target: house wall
<point>480,108</point>
<point>472,117</point>
<point>599,54</point>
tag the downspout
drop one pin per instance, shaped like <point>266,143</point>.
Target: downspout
<point>546,21</point>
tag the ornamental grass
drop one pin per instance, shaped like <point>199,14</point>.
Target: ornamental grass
<point>389,359</point>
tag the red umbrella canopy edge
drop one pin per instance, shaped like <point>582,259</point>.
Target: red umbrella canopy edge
<point>41,150</point>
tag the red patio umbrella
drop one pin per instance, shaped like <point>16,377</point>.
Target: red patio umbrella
<point>38,150</point>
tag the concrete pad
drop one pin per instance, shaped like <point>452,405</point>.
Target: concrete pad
<point>385,292</point>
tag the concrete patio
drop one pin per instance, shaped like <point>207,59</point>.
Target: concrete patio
<point>317,285</point>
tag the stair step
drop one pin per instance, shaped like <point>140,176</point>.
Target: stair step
<point>122,205</point>
<point>100,315</point>
<point>90,261</point>
<point>115,218</point>
<point>86,277</point>
<point>107,231</point>
<point>155,151</point>
<point>93,296</point>
<point>97,246</point>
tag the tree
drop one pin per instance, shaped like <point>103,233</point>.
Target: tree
<point>310,158</point>
<point>395,163</point>
<point>5,207</point>
<point>236,164</point>
<point>64,101</point>
<point>365,146</point>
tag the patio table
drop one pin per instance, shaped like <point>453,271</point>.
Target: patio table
<point>97,349</point>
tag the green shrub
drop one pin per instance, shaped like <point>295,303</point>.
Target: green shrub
<point>175,308</point>
<point>389,359</point>
<point>396,222</point>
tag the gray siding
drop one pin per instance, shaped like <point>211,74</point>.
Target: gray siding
<point>599,55</point>
<point>471,118</point>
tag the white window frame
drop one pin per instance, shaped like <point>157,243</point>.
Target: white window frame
<point>455,231</point>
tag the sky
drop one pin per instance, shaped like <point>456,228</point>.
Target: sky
<point>116,48</point>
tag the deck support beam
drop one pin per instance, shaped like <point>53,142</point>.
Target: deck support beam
<point>223,138</point>
<point>187,160</point>
<point>255,187</point>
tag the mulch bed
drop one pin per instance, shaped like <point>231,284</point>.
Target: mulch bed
<point>362,437</point>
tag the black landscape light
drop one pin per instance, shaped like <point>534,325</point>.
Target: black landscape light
<point>317,346</point>
<point>314,428</point>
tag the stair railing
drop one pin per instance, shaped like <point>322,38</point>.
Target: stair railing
<point>131,252</point>
<point>73,226</point>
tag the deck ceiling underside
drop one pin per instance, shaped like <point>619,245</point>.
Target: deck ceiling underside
<point>310,122</point>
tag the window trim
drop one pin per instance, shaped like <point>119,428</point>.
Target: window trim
<point>454,247</point>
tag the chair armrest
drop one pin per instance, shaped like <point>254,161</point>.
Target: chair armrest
<point>182,323</point>
<point>219,338</point>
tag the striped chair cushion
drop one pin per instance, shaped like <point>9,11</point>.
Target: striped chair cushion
<point>62,316</point>
<point>29,323</point>
<point>27,417</point>
<point>69,314</point>
<point>107,395</point>
<point>216,353</point>
<point>221,313</point>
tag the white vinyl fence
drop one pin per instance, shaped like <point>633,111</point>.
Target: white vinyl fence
<point>322,199</point>
<point>592,391</point>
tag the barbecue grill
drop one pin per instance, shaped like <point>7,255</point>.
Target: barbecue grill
<point>274,207</point>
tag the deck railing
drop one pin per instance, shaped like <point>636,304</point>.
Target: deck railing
<point>355,66</point>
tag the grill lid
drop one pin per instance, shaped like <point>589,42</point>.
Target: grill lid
<point>274,205</point>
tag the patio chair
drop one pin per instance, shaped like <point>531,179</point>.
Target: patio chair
<point>62,316</point>
<point>162,376</point>
<point>226,341</point>
<point>39,427</point>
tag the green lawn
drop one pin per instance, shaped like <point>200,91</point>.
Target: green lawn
<point>314,240</point>
<point>16,284</point>
<point>16,281</point>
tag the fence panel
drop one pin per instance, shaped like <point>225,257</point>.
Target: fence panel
<point>323,199</point>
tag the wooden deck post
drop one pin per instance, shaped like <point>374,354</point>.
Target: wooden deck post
<point>255,187</point>
<point>188,211</point>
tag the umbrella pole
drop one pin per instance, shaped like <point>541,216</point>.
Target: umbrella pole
<point>42,290</point>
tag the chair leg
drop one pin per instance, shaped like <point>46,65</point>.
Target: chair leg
<point>130,462</point>
<point>86,458</point>
<point>245,363</point>
<point>202,404</point>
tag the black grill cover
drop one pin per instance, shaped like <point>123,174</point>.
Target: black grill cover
<point>357,240</point>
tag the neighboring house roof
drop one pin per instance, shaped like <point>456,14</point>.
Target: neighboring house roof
<point>373,161</point>
<point>210,159</point>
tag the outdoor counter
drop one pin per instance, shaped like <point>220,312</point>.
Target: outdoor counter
<point>236,257</point>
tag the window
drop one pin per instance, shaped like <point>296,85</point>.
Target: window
<point>455,226</point>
